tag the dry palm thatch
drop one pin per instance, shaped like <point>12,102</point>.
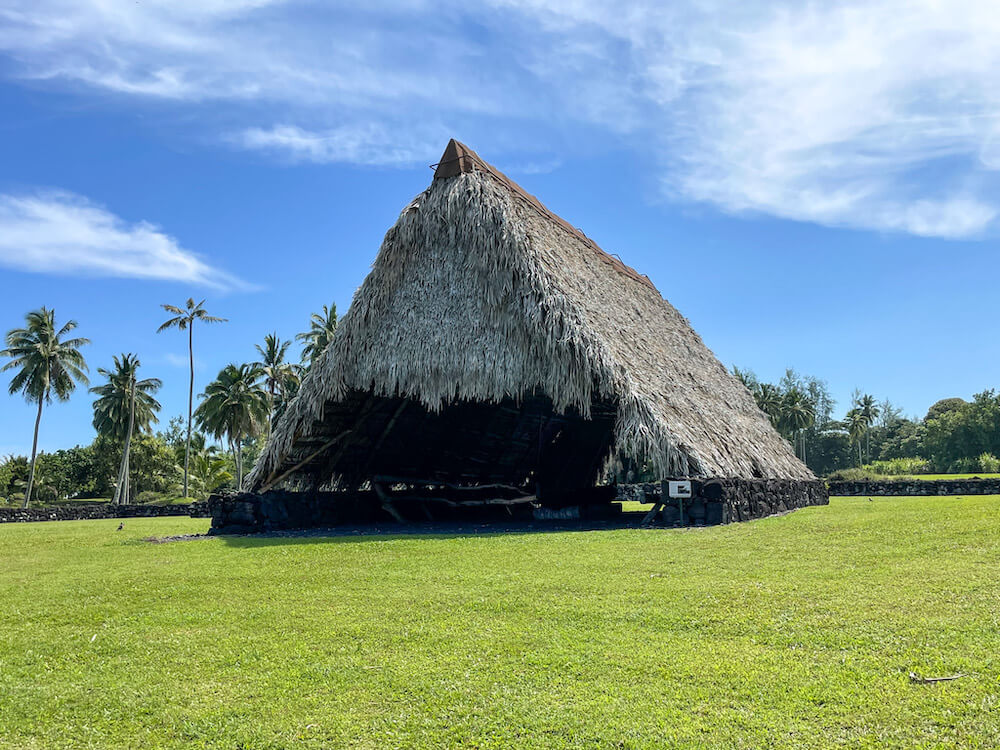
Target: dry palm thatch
<point>481,295</point>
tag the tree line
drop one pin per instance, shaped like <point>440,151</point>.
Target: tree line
<point>127,461</point>
<point>954,436</point>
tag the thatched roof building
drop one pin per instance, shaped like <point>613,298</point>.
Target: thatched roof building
<point>494,342</point>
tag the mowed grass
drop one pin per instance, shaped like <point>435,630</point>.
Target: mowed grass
<point>796,631</point>
<point>930,477</point>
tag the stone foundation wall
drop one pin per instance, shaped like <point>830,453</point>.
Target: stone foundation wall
<point>718,501</point>
<point>245,512</point>
<point>87,511</point>
<point>714,502</point>
<point>917,487</point>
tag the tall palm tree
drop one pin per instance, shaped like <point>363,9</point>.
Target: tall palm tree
<point>869,410</point>
<point>124,403</point>
<point>47,363</point>
<point>798,415</point>
<point>275,369</point>
<point>235,407</point>
<point>184,320</point>
<point>856,425</point>
<point>320,333</point>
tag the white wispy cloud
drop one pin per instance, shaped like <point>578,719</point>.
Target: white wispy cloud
<point>63,233</point>
<point>883,114</point>
<point>368,143</point>
<point>175,360</point>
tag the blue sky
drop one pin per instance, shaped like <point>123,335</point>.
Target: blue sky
<point>813,186</point>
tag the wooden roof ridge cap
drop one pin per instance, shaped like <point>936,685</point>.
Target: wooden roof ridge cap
<point>459,158</point>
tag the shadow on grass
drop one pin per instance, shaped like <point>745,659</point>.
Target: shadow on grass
<point>428,530</point>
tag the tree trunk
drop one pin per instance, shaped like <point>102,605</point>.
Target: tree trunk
<point>239,466</point>
<point>34,456</point>
<point>270,407</point>
<point>117,498</point>
<point>121,491</point>
<point>128,441</point>
<point>187,445</point>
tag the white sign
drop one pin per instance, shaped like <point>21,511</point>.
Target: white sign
<point>679,489</point>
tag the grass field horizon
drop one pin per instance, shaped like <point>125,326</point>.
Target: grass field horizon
<point>791,631</point>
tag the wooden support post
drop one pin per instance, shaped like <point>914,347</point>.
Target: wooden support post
<point>387,505</point>
<point>657,507</point>
<point>381,438</point>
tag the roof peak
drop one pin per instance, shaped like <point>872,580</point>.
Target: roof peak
<point>458,158</point>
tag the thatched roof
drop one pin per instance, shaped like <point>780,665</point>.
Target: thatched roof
<point>480,295</point>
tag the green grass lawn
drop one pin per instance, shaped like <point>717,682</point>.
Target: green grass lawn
<point>979,475</point>
<point>796,631</point>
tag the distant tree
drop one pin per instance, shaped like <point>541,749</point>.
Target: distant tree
<point>69,472</point>
<point>152,466</point>
<point>209,472</point>
<point>277,372</point>
<point>747,377</point>
<point>801,410</point>
<point>124,403</point>
<point>174,434</point>
<point>869,410</point>
<point>320,334</point>
<point>769,399</point>
<point>183,319</point>
<point>902,438</point>
<point>797,414</point>
<point>888,414</point>
<point>13,469</point>
<point>856,425</point>
<point>956,437</point>
<point>235,407</point>
<point>942,407</point>
<point>47,363</point>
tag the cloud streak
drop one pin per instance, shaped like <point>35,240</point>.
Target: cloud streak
<point>369,143</point>
<point>882,115</point>
<point>63,233</point>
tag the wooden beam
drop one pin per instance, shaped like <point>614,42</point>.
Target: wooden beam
<point>383,435</point>
<point>441,483</point>
<point>387,505</point>
<point>652,514</point>
<point>272,480</point>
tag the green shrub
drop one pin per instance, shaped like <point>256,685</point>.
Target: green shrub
<point>898,467</point>
<point>854,474</point>
<point>148,497</point>
<point>988,463</point>
<point>964,465</point>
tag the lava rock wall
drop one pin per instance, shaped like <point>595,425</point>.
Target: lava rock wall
<point>88,511</point>
<point>918,487</point>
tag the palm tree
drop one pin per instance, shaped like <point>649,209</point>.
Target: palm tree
<point>870,411</point>
<point>184,320</point>
<point>856,425</point>
<point>798,415</point>
<point>208,471</point>
<point>124,403</point>
<point>320,333</point>
<point>275,369</point>
<point>746,377</point>
<point>47,364</point>
<point>768,399</point>
<point>235,407</point>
